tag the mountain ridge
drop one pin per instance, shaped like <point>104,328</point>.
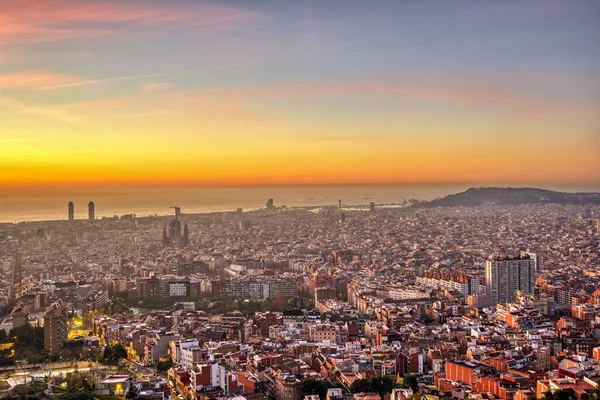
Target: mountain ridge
<point>511,196</point>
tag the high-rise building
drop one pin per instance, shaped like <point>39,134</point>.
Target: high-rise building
<point>71,211</point>
<point>536,257</point>
<point>91,211</point>
<point>372,207</point>
<point>340,204</point>
<point>270,204</point>
<point>504,276</point>
<point>55,326</point>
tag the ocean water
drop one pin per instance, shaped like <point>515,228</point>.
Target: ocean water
<point>42,204</point>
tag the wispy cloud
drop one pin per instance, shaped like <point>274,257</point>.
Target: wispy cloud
<point>35,80</point>
<point>97,81</point>
<point>52,81</point>
<point>29,21</point>
<point>16,106</point>
<point>153,87</point>
<point>501,93</point>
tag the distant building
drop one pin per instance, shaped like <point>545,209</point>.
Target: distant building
<point>372,207</point>
<point>270,204</point>
<point>172,235</point>
<point>20,315</point>
<point>55,326</point>
<point>71,211</point>
<point>504,276</point>
<point>91,211</point>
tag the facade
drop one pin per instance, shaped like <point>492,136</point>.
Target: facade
<point>462,288</point>
<point>505,276</point>
<point>55,326</point>
<point>148,288</point>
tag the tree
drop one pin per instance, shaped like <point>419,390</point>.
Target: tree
<point>3,336</point>
<point>361,386</point>
<point>119,351</point>
<point>114,353</point>
<point>132,392</point>
<point>559,395</point>
<point>411,382</point>
<point>163,366</point>
<point>594,394</point>
<point>383,385</point>
<point>314,386</point>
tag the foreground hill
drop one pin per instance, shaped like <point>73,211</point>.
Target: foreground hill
<point>505,196</point>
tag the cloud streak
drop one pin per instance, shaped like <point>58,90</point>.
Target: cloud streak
<point>499,93</point>
<point>52,81</point>
<point>32,21</point>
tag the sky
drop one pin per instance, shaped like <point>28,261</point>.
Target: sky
<point>187,92</point>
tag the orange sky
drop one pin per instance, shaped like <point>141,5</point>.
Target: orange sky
<point>97,93</point>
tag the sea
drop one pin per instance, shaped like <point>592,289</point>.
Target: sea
<point>47,203</point>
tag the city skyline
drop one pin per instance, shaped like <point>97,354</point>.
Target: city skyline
<point>230,93</point>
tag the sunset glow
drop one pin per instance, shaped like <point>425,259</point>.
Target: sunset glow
<point>234,92</point>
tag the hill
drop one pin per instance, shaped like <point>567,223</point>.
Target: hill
<point>508,196</point>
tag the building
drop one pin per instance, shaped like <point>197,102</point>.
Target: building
<point>536,257</point>
<point>148,288</point>
<point>114,385</point>
<point>172,235</point>
<point>20,315</point>
<point>71,211</point>
<point>91,211</point>
<point>270,204</point>
<point>504,276</point>
<point>55,326</point>
<point>464,288</point>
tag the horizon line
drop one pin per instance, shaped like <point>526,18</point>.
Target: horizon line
<point>91,185</point>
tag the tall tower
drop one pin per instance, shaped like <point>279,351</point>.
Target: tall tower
<point>340,204</point>
<point>166,240</point>
<point>186,236</point>
<point>71,211</point>
<point>91,211</point>
<point>177,213</point>
<point>504,276</point>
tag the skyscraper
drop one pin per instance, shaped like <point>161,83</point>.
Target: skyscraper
<point>270,204</point>
<point>71,211</point>
<point>372,206</point>
<point>504,276</point>
<point>91,211</point>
